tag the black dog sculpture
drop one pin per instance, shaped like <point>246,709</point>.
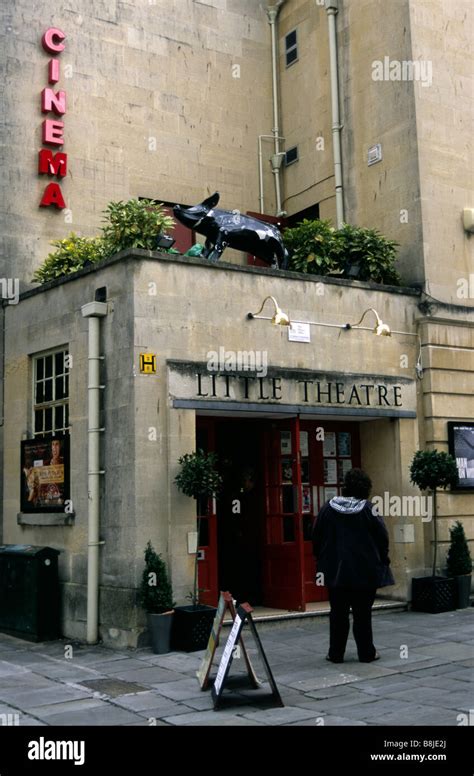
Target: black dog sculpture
<point>226,228</point>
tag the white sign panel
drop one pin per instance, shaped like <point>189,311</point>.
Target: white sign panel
<point>228,652</point>
<point>299,332</point>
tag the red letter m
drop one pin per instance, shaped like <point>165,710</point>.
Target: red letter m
<point>52,164</point>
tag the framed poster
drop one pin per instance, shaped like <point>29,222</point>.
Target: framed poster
<point>344,444</point>
<point>317,502</point>
<point>285,442</point>
<point>330,493</point>
<point>329,444</point>
<point>306,499</point>
<point>326,494</point>
<point>304,449</point>
<point>344,465</point>
<point>45,483</point>
<point>286,471</point>
<point>461,447</point>
<point>330,471</point>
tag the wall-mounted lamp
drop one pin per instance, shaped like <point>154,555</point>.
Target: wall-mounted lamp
<point>279,318</point>
<point>381,329</point>
<point>468,219</point>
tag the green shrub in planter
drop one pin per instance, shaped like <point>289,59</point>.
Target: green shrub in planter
<point>132,224</point>
<point>318,248</point>
<point>156,594</point>
<point>430,470</point>
<point>313,247</point>
<point>371,252</point>
<point>198,478</point>
<point>156,597</point>
<point>72,254</point>
<point>459,563</point>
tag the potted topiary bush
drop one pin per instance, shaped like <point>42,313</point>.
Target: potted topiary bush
<point>459,564</point>
<point>156,597</point>
<point>198,478</point>
<point>431,470</point>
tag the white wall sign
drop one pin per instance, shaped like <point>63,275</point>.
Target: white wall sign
<point>299,332</point>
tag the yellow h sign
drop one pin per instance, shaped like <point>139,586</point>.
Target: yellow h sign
<point>148,363</point>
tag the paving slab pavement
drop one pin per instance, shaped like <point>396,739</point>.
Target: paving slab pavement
<point>425,677</point>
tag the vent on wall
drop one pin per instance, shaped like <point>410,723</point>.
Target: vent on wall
<point>291,156</point>
<point>291,48</point>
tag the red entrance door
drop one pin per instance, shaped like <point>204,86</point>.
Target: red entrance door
<point>283,553</point>
<point>305,463</point>
<point>328,450</point>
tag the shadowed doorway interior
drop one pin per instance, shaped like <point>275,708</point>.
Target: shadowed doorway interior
<point>240,509</point>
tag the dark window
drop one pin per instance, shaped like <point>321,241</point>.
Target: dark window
<point>51,393</point>
<point>310,213</point>
<point>288,529</point>
<point>291,48</point>
<point>291,156</point>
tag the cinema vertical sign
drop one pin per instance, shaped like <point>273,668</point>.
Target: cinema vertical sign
<point>51,161</point>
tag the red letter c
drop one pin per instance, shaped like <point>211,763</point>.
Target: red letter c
<point>51,41</point>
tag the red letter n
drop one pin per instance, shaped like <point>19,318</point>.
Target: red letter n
<point>53,102</point>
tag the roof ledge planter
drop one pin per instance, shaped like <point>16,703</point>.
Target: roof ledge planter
<point>352,252</point>
<point>198,479</point>
<point>459,564</point>
<point>134,224</point>
<point>430,470</point>
<point>156,597</point>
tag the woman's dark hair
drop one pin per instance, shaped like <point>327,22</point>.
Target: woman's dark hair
<point>357,484</point>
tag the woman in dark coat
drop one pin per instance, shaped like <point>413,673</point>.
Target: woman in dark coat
<point>350,543</point>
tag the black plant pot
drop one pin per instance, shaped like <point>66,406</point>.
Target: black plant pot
<point>192,627</point>
<point>463,591</point>
<point>160,626</point>
<point>433,594</point>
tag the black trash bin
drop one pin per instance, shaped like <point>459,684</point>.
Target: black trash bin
<point>29,592</point>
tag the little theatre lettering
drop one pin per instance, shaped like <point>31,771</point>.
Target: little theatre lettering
<point>274,389</point>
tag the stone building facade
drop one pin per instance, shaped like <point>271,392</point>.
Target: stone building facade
<point>167,100</point>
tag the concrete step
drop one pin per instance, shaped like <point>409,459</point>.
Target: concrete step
<point>278,617</point>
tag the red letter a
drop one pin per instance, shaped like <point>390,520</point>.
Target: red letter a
<point>53,196</point>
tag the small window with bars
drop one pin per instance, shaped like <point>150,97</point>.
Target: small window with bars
<point>291,48</point>
<point>51,393</point>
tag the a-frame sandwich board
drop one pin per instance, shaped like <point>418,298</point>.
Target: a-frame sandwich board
<point>243,615</point>
<point>226,602</point>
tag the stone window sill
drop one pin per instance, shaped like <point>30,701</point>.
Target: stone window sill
<point>45,518</point>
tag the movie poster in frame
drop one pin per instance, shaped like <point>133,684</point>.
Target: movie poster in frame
<point>45,474</point>
<point>461,447</point>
